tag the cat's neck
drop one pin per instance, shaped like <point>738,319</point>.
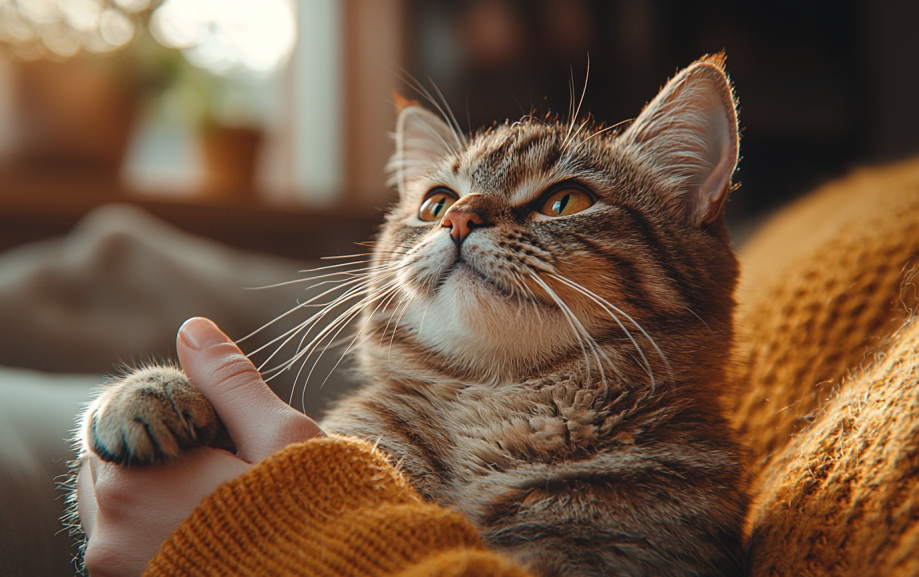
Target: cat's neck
<point>617,371</point>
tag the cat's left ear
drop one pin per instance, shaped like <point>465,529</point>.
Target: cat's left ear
<point>422,139</point>
<point>687,136</point>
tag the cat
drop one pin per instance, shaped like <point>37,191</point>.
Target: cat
<point>547,331</point>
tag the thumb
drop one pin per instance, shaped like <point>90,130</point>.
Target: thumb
<point>258,421</point>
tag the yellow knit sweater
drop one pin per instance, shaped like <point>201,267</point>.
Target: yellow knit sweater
<point>828,394</point>
<point>828,400</point>
<point>326,507</point>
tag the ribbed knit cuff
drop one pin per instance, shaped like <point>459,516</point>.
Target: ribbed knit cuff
<point>331,506</point>
<point>465,563</point>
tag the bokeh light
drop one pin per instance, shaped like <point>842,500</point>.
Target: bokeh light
<point>226,35</point>
<point>132,5</point>
<point>115,27</point>
<point>221,36</point>
<point>82,14</point>
<point>64,27</point>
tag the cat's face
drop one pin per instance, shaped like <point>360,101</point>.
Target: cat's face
<point>539,243</point>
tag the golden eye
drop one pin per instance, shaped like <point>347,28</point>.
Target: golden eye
<point>436,204</point>
<point>566,201</point>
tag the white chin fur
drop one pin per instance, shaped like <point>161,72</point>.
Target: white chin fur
<point>469,321</point>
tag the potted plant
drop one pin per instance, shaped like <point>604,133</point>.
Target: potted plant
<point>85,68</point>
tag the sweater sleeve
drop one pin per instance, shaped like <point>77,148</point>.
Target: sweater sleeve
<point>331,506</point>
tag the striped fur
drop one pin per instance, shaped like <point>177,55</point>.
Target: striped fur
<point>558,380</point>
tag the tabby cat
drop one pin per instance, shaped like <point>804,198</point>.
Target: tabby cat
<point>547,326</point>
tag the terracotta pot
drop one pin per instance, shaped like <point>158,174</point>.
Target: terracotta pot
<point>77,114</point>
<point>230,157</point>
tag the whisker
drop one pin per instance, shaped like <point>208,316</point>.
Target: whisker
<point>305,351</point>
<point>377,251</point>
<point>698,317</point>
<point>584,142</point>
<point>458,130</point>
<point>535,302</point>
<point>341,256</point>
<point>304,328</point>
<point>646,365</point>
<point>407,299</point>
<point>362,273</point>
<point>393,292</point>
<point>299,306</point>
<point>604,304</point>
<point>341,322</point>
<point>348,294</point>
<point>328,266</point>
<point>388,321</point>
<point>571,107</point>
<point>578,329</point>
<point>442,107</point>
<point>577,111</point>
<point>306,325</point>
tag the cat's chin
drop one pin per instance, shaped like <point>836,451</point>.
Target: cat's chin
<point>476,324</point>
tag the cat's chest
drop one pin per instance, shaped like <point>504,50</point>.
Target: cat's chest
<point>457,446</point>
<point>497,441</point>
<point>500,428</point>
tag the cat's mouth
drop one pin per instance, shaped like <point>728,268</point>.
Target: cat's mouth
<point>462,272</point>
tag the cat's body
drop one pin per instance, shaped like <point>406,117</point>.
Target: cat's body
<point>567,482</point>
<point>547,328</point>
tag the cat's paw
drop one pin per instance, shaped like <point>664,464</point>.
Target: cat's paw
<point>151,416</point>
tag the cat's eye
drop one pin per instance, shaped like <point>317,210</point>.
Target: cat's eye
<point>436,204</point>
<point>566,201</point>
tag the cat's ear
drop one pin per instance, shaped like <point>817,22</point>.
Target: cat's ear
<point>688,136</point>
<point>422,139</point>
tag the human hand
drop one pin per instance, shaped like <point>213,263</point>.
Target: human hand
<point>127,512</point>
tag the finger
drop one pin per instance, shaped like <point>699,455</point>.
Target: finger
<point>109,555</point>
<point>86,497</point>
<point>258,421</point>
<point>139,507</point>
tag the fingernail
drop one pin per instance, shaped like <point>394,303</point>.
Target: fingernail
<point>200,333</point>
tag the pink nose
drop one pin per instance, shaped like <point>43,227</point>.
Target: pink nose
<point>462,222</point>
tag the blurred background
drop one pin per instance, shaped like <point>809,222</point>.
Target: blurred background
<point>157,157</point>
<point>260,110</point>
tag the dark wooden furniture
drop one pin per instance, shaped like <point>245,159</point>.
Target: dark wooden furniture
<point>36,204</point>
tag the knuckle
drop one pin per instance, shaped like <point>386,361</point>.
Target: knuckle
<point>234,372</point>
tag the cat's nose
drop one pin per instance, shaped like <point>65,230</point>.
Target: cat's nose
<point>462,222</point>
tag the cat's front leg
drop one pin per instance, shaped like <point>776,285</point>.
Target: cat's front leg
<point>150,416</point>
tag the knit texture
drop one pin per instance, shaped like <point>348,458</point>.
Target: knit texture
<point>822,287</point>
<point>828,397</point>
<point>828,400</point>
<point>330,506</point>
<point>842,499</point>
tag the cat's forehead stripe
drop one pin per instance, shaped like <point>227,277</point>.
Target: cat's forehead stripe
<point>518,162</point>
